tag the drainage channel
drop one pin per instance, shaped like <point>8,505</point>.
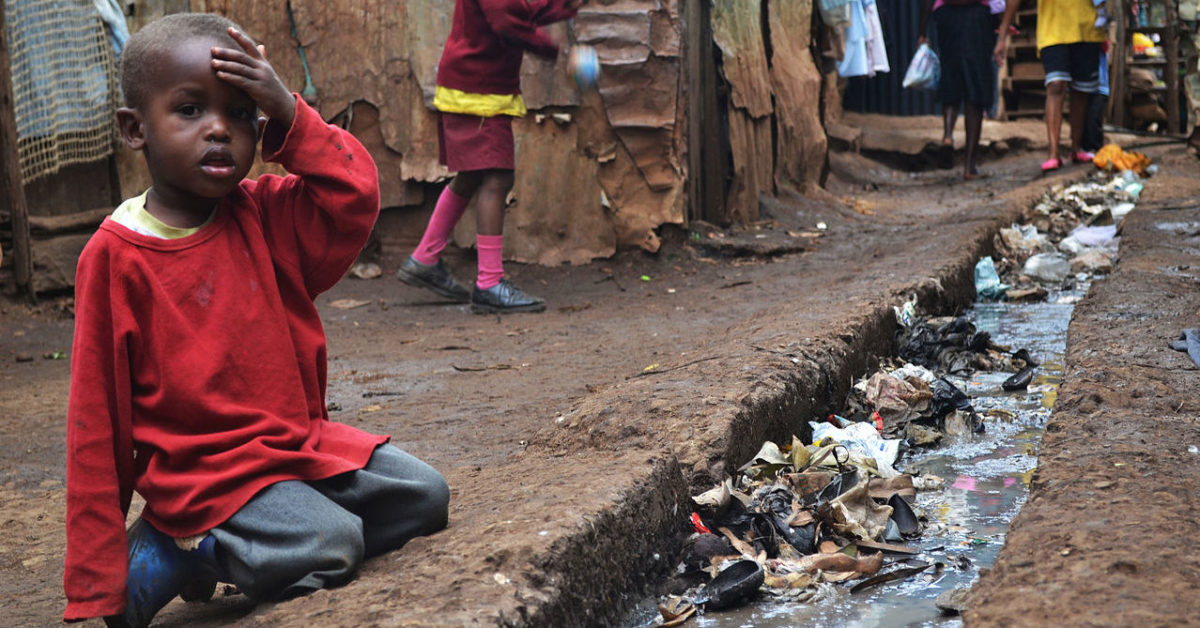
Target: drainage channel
<point>986,476</point>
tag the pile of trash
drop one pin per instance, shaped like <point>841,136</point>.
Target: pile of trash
<point>799,518</point>
<point>1071,235</point>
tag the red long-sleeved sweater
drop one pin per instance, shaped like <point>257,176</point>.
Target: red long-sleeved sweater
<point>488,39</point>
<point>198,369</point>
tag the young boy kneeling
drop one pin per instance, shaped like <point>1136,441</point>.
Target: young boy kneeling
<point>199,368</point>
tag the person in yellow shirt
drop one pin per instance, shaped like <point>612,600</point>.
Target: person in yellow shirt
<point>1069,44</point>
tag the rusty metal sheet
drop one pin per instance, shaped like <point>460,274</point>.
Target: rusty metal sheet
<point>374,65</point>
<point>557,213</point>
<point>752,146</point>
<point>394,189</point>
<point>737,31</point>
<point>801,143</point>
<point>546,82</point>
<point>640,81</point>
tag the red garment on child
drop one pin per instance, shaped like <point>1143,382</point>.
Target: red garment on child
<point>489,37</point>
<point>467,143</point>
<point>199,363</point>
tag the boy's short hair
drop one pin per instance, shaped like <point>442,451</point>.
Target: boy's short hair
<point>137,58</point>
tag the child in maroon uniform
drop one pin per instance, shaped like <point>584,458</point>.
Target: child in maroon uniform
<point>478,92</point>
<point>198,369</point>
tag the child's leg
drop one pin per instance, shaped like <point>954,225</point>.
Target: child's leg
<point>397,496</point>
<point>287,541</point>
<point>493,191</point>
<point>446,213</point>
<point>424,267</point>
<point>492,292</point>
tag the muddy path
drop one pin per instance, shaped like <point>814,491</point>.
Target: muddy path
<point>572,438</point>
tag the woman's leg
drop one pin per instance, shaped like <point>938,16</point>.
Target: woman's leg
<point>974,128</point>
<point>949,118</point>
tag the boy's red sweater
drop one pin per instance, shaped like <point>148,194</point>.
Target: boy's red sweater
<point>199,363</point>
<point>488,39</point>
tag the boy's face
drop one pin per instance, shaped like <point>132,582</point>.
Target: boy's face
<point>198,132</point>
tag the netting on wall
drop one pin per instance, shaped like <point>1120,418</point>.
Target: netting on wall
<point>64,83</point>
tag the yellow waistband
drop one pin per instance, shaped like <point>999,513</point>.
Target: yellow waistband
<point>482,105</point>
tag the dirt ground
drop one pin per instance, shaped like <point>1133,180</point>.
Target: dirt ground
<point>571,439</point>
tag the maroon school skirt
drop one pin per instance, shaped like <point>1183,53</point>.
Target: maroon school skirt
<point>467,142</point>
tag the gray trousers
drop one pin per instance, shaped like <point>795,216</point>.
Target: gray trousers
<point>296,537</point>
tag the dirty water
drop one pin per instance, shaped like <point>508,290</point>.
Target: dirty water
<point>986,476</point>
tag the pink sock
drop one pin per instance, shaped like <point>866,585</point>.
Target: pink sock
<point>449,209</point>
<point>491,262</point>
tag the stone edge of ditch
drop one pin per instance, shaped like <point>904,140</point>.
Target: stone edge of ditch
<point>760,413</point>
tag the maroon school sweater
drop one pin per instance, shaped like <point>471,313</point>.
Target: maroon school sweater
<point>489,37</point>
<point>198,369</point>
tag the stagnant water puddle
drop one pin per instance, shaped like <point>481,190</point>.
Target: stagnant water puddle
<point>986,475</point>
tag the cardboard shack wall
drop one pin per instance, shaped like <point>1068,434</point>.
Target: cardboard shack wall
<point>596,170</point>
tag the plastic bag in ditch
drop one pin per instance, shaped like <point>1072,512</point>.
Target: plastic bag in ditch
<point>987,280</point>
<point>776,502</point>
<point>861,438</point>
<point>1101,235</point>
<point>1047,267</point>
<point>947,398</point>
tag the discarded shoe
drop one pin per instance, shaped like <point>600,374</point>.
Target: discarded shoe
<point>1052,164</point>
<point>1023,354</point>
<point>735,585</point>
<point>433,277</point>
<point>1019,381</point>
<point>504,297</point>
<point>902,514</point>
<point>159,570</point>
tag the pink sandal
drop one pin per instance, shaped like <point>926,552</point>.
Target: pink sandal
<point>1052,164</point>
<point>1083,157</point>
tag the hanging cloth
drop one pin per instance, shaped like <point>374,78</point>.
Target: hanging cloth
<point>877,58</point>
<point>855,62</point>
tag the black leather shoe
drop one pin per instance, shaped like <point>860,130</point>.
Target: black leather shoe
<point>504,297</point>
<point>434,277</point>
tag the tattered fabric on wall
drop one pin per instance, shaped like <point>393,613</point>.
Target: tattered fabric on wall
<point>64,84</point>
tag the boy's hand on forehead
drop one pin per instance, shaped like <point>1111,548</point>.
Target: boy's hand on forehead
<point>248,70</point>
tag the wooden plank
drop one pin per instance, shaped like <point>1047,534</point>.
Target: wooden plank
<point>1118,81</point>
<point>1171,73</point>
<point>12,188</point>
<point>54,225</point>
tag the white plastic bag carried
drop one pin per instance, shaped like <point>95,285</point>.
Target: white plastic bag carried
<point>924,70</point>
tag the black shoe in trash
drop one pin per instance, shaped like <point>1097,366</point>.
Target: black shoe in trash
<point>433,277</point>
<point>504,297</point>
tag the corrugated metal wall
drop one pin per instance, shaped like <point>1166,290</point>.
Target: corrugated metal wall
<point>883,93</point>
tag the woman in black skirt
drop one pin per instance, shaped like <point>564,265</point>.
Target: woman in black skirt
<point>966,37</point>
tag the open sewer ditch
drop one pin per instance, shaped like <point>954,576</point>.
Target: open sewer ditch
<point>792,548</point>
